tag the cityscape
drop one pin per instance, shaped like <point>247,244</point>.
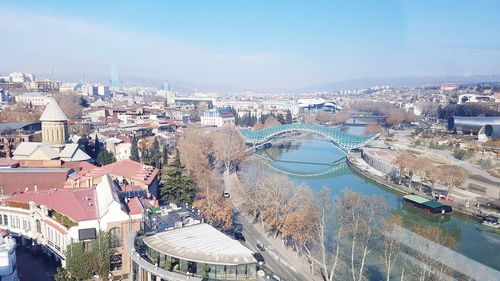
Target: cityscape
<point>221,140</point>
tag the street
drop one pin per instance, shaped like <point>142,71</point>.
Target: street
<point>274,259</point>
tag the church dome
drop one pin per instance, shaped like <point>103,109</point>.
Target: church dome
<point>53,112</point>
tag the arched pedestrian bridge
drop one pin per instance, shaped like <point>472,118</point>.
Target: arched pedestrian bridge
<point>345,141</point>
<point>336,168</point>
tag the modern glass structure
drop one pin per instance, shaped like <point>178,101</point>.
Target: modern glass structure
<point>198,251</point>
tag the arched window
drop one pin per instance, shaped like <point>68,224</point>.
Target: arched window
<point>115,236</point>
<point>38,226</point>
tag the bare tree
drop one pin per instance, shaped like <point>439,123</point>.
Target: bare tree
<point>451,176</point>
<point>229,147</point>
<point>330,258</point>
<point>271,121</point>
<point>391,242</point>
<point>373,129</point>
<point>404,161</point>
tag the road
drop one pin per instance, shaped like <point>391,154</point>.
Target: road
<point>274,258</point>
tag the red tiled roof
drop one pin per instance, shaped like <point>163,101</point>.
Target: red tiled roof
<point>5,162</point>
<point>128,169</point>
<point>79,167</point>
<point>78,204</point>
<point>134,206</point>
<point>18,179</point>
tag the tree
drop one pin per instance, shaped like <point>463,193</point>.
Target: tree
<point>97,147</point>
<point>101,252</point>
<point>71,103</point>
<point>451,176</point>
<point>373,129</point>
<point>82,264</point>
<point>391,242</point>
<point>78,262</point>
<point>105,158</point>
<point>229,147</point>
<point>155,154</point>
<point>271,121</point>
<point>215,209</point>
<point>134,150</point>
<point>329,242</point>
<point>176,186</point>
<point>404,161</point>
<point>288,117</point>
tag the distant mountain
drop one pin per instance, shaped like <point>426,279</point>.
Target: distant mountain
<point>409,81</point>
<point>184,87</point>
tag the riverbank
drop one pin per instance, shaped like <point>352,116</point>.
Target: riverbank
<point>360,167</point>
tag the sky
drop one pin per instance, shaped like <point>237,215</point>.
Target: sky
<point>251,44</point>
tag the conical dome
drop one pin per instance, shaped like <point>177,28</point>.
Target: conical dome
<point>53,112</point>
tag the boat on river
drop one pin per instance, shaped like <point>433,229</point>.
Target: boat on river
<point>428,206</point>
<point>491,221</point>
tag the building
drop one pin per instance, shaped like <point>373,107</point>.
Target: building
<point>21,77</point>
<point>8,261</point>
<point>53,219</point>
<point>12,134</point>
<point>54,145</point>
<point>180,245</point>
<point>33,98</point>
<point>470,125</point>
<point>217,117</point>
<point>103,91</point>
<point>126,172</point>
<point>4,96</point>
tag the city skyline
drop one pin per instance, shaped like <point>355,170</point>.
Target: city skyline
<point>256,46</point>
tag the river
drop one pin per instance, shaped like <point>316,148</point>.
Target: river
<point>473,240</point>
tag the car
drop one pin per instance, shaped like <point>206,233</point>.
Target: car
<point>239,236</point>
<point>226,194</point>
<point>260,246</point>
<point>259,258</point>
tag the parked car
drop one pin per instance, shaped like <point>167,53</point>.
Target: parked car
<point>239,236</point>
<point>260,246</point>
<point>226,194</point>
<point>259,258</point>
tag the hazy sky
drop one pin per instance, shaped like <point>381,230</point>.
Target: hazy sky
<point>252,44</point>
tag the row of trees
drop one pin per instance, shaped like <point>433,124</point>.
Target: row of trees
<point>338,234</point>
<point>467,109</point>
<point>324,117</point>
<point>251,120</point>
<point>194,171</point>
<point>150,154</point>
<point>283,208</point>
<point>451,176</point>
<point>395,115</point>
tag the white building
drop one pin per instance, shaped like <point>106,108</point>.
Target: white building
<point>21,77</point>
<point>8,261</point>
<point>217,117</point>
<point>33,98</point>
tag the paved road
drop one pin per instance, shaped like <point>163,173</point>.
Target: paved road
<point>274,260</point>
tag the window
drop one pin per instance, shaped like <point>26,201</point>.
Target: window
<point>115,236</point>
<point>38,226</point>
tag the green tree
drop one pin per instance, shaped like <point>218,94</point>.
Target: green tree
<point>155,154</point>
<point>176,186</point>
<point>97,147</point>
<point>82,264</point>
<point>101,253</point>
<point>78,262</point>
<point>134,150</point>
<point>105,158</point>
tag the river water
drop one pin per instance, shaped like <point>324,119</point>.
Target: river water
<point>474,240</point>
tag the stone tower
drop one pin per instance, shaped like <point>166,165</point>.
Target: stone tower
<point>54,124</point>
